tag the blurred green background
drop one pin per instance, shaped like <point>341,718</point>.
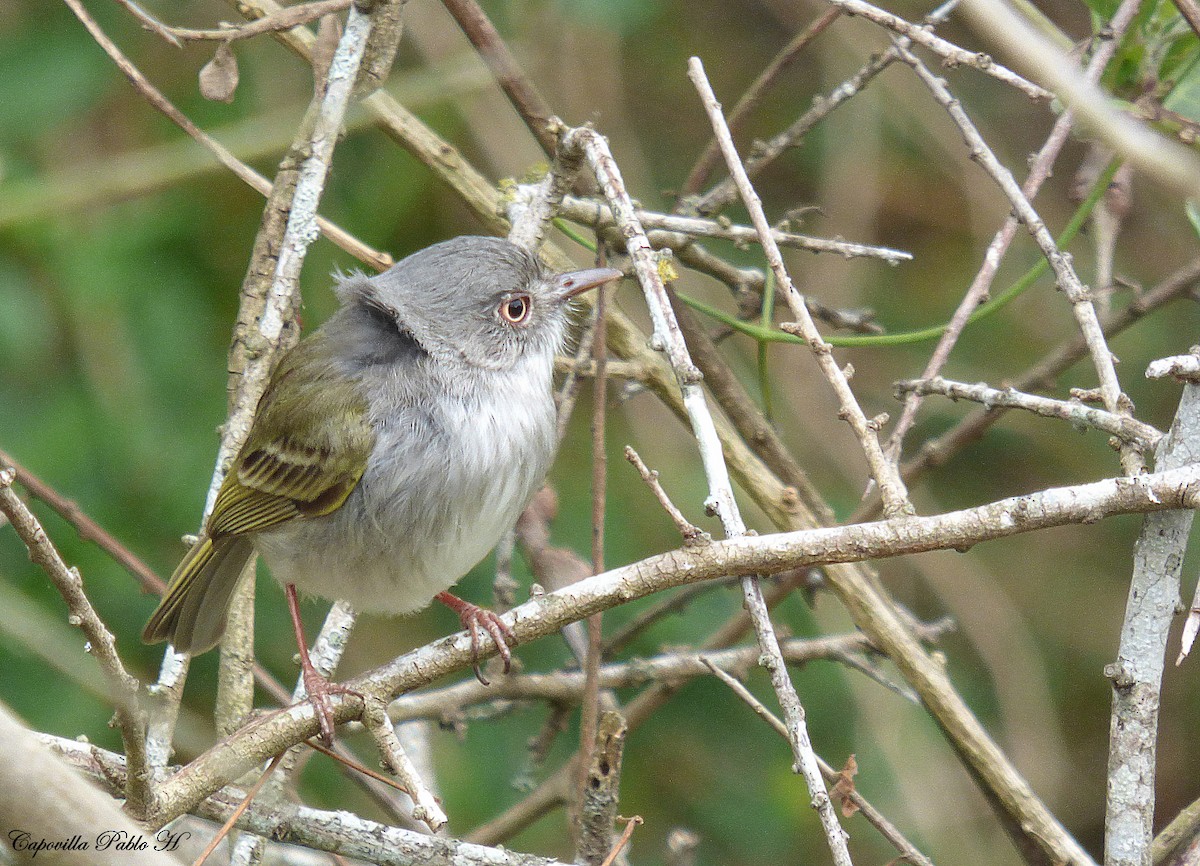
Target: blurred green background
<point>123,245</point>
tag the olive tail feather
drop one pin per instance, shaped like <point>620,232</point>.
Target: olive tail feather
<point>192,614</point>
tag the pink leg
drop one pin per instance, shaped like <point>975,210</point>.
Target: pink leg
<point>315,685</point>
<point>472,617</point>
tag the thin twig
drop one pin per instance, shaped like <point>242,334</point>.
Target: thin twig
<point>238,812</point>
<point>155,97</point>
<point>1039,170</point>
<point>720,500</point>
<point>122,686</point>
<point>516,85</point>
<point>426,807</point>
<point>725,192</point>
<point>292,16</point>
<point>1064,273</point>
<point>566,687</point>
<point>599,216</point>
<point>885,474</point>
<point>950,53</point>
<point>630,825</point>
<point>1141,435</point>
<point>753,96</point>
<point>937,451</point>
<point>89,529</point>
<point>889,831</point>
<point>691,533</point>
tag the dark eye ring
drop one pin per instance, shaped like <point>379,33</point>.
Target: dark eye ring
<point>516,309</point>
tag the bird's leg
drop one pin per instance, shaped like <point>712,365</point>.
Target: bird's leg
<point>473,616</point>
<point>316,686</point>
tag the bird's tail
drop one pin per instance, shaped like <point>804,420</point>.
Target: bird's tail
<point>192,613</point>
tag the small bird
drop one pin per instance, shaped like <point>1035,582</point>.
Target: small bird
<point>392,447</point>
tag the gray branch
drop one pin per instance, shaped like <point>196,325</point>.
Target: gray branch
<point>1137,673</point>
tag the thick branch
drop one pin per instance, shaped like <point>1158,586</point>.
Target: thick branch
<point>547,614</point>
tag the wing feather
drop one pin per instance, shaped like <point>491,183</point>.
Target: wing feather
<point>307,448</point>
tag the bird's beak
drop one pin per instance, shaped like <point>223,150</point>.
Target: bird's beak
<point>573,283</point>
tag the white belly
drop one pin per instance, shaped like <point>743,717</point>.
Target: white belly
<point>438,493</point>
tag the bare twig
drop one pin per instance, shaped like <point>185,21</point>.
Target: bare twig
<point>566,687</point>
<point>122,686</point>
<point>544,615</point>
<point>89,529</point>
<point>1168,162</point>
<point>292,16</point>
<point>599,216</point>
<point>333,831</point>
<point>886,476</point>
<point>237,813</point>
<point>426,807</point>
<point>1039,169</point>
<point>630,825</point>
<point>726,192</point>
<point>252,178</point>
<point>720,501</point>
<point>754,93</point>
<point>1125,428</point>
<point>937,451</point>
<point>1064,273</point>
<point>889,831</point>
<point>691,533</point>
<point>950,53</point>
<point>516,85</point>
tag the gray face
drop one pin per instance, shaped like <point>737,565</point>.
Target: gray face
<point>477,301</point>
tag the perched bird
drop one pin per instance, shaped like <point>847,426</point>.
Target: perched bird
<point>392,447</point>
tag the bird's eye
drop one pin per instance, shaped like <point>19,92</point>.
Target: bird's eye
<point>516,309</point>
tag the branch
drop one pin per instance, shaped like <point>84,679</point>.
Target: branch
<point>286,19</point>
<point>907,850</point>
<point>1168,162</point>
<point>1137,673</point>
<point>750,99</point>
<point>599,216</point>
<point>547,614</point>
<point>338,832</point>
<point>516,85</point>
<point>669,339</point>
<point>1039,170</point>
<point>45,802</point>
<point>1064,273</point>
<point>1140,435</point>
<point>885,474</point>
<point>950,53</point>
<point>122,686</point>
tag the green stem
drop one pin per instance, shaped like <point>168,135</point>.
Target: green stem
<point>768,316</point>
<point>765,334</point>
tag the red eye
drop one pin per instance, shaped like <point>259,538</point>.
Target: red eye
<point>516,309</point>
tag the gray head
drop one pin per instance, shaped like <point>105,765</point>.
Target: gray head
<point>475,301</point>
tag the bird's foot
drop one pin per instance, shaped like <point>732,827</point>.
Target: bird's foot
<point>476,619</point>
<point>318,690</point>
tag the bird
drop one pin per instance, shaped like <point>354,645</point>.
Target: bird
<point>391,448</point>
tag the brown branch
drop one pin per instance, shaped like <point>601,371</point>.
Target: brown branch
<point>516,85</point>
<point>753,96</point>
<point>88,529</point>
<point>123,687</point>
<point>285,19</point>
